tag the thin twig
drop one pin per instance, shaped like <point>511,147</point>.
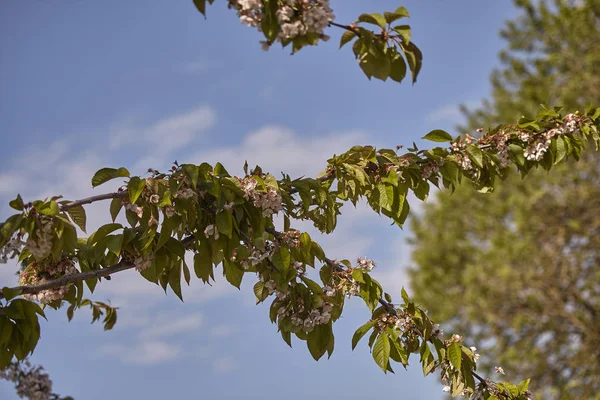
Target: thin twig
<point>346,27</point>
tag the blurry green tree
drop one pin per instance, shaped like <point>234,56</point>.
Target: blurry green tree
<point>517,270</point>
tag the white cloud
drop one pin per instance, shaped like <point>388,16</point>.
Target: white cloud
<point>198,67</point>
<point>278,148</point>
<point>166,134</point>
<point>167,325</point>
<point>225,364</point>
<point>223,330</point>
<point>449,113</point>
<point>149,352</point>
<point>10,184</point>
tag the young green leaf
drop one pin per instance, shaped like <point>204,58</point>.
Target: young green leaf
<point>115,207</point>
<point>360,332</point>
<point>106,174</point>
<point>78,216</point>
<point>347,36</point>
<point>476,155</point>
<point>17,203</point>
<point>438,135</point>
<point>404,32</point>
<point>381,351</point>
<point>375,19</point>
<point>455,355</point>
<point>135,188</point>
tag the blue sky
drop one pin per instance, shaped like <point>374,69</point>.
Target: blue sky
<point>140,84</point>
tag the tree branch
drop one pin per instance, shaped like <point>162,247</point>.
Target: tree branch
<point>92,199</point>
<point>73,278</point>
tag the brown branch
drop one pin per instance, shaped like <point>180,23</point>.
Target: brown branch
<point>346,27</point>
<point>73,278</point>
<point>92,199</point>
<point>82,276</point>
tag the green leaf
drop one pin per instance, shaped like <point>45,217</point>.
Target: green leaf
<point>192,172</point>
<point>201,6</point>
<point>6,328</point>
<point>78,216</point>
<point>347,36</point>
<point>375,19</point>
<point>455,355</point>
<point>360,332</point>
<point>398,68</point>
<point>115,207</point>
<point>517,153</point>
<point>50,208</point>
<point>386,196</point>
<point>381,351</point>
<point>202,263</point>
<point>438,135</point>
<point>402,11</point>
<point>375,64</point>
<point>415,59</point>
<point>9,293</point>
<point>393,16</point>
<point>106,174</point>
<point>358,276</point>
<point>475,154</point>
<point>135,188</point>
<point>260,292</point>
<point>523,386</point>
<point>175,280</point>
<point>281,259</point>
<point>318,340</point>
<point>17,203</point>
<point>561,149</point>
<point>233,274</point>
<point>166,230</point>
<point>404,32</point>
<point>224,222</point>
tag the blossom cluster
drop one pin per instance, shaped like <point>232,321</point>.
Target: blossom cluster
<point>429,169</point>
<point>295,17</point>
<point>270,202</point>
<point>31,383</point>
<point>538,147</point>
<point>40,243</point>
<point>295,310</point>
<point>345,282</point>
<point>39,272</point>
<point>13,246</point>
<point>536,144</point>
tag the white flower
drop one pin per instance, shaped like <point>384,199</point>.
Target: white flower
<point>211,230</point>
<point>329,291</point>
<point>365,263</point>
<point>154,199</point>
<point>446,388</point>
<point>456,338</point>
<point>185,193</point>
<point>499,370</point>
<point>537,149</point>
<point>475,355</point>
<point>169,211</point>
